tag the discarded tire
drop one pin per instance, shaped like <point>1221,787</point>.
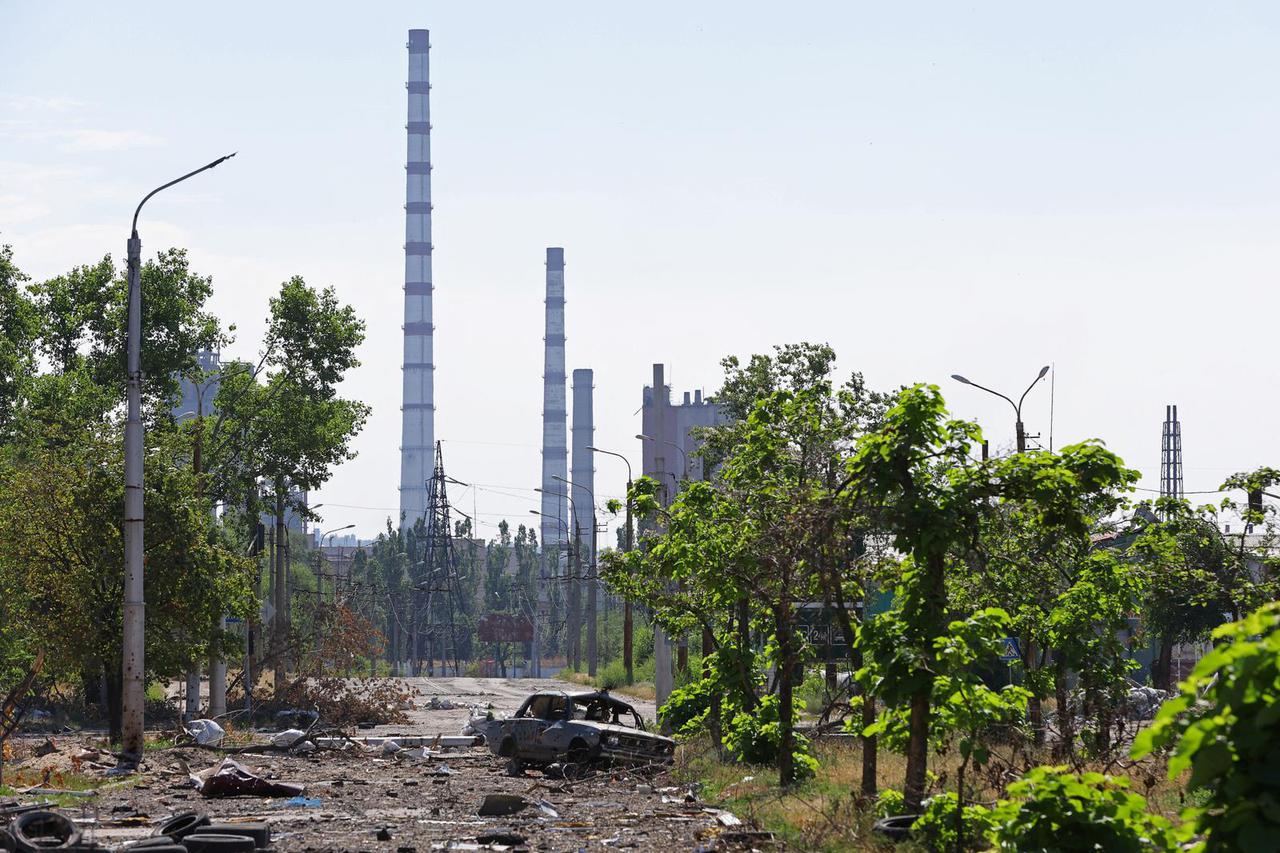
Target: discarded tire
<point>202,842</point>
<point>896,827</point>
<point>171,847</point>
<point>36,831</point>
<point>259,832</point>
<point>7,844</point>
<point>156,842</point>
<point>180,826</point>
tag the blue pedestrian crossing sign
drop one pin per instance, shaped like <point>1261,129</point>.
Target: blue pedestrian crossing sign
<point>1009,650</point>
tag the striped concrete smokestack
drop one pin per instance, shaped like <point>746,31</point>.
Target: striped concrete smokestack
<point>417,437</point>
<point>584,487</point>
<point>555,452</point>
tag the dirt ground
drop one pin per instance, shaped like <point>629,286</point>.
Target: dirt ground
<point>365,801</point>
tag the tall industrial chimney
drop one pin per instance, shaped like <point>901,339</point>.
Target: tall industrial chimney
<point>555,452</point>
<point>417,437</point>
<point>584,486</point>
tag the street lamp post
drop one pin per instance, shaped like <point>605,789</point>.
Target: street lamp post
<point>1017,407</point>
<point>628,622</point>
<point>573,647</point>
<point>684,456</point>
<point>682,647</point>
<point>325,558</point>
<point>543,603</point>
<point>592,584</point>
<point>1030,653</point>
<point>133,692</point>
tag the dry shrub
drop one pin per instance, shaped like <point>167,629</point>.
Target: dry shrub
<point>347,702</point>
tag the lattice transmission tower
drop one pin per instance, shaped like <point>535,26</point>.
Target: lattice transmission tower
<point>438,589</point>
<point>1171,455</point>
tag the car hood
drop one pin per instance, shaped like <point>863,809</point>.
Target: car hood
<point>610,728</point>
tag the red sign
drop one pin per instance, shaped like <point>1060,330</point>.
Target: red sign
<point>504,628</point>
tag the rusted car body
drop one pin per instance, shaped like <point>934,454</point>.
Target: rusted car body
<point>579,729</point>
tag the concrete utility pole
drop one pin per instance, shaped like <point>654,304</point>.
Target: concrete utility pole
<point>543,603</point>
<point>133,696</point>
<point>628,624</point>
<point>682,648</point>
<point>582,470</point>
<point>592,586</point>
<point>1030,653</point>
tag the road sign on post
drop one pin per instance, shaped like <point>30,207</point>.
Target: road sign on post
<point>1010,650</point>
<point>820,627</point>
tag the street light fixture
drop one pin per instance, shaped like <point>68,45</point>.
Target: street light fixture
<point>325,557</point>
<point>628,623</point>
<point>683,455</point>
<point>592,584</point>
<point>133,693</point>
<point>1017,407</point>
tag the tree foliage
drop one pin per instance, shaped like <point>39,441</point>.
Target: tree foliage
<point>1224,726</point>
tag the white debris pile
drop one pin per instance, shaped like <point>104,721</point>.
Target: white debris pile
<point>206,732</point>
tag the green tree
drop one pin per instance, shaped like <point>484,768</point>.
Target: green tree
<point>280,422</point>
<point>1193,579</point>
<point>1084,629</point>
<point>61,515</point>
<point>19,325</point>
<point>754,534</point>
<point>1224,726</point>
<point>930,495</point>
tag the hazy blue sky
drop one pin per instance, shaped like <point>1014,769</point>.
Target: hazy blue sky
<point>931,188</point>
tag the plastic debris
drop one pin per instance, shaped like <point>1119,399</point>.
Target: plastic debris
<point>233,779</point>
<point>304,802</point>
<point>420,753</point>
<point>206,732</point>
<point>287,738</point>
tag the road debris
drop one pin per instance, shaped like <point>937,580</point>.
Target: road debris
<point>233,779</point>
<point>206,732</point>
<point>346,795</point>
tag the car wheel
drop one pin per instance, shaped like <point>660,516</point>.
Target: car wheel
<point>508,747</point>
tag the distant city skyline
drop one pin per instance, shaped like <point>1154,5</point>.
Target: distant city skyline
<point>952,190</point>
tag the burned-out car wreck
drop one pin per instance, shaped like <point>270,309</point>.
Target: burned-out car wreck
<point>576,730</point>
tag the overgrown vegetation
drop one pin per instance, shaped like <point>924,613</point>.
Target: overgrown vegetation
<point>830,494</point>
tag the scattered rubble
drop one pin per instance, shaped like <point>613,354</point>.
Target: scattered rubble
<point>338,792</point>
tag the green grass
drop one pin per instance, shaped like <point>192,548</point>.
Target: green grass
<point>823,814</point>
<point>820,814</point>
